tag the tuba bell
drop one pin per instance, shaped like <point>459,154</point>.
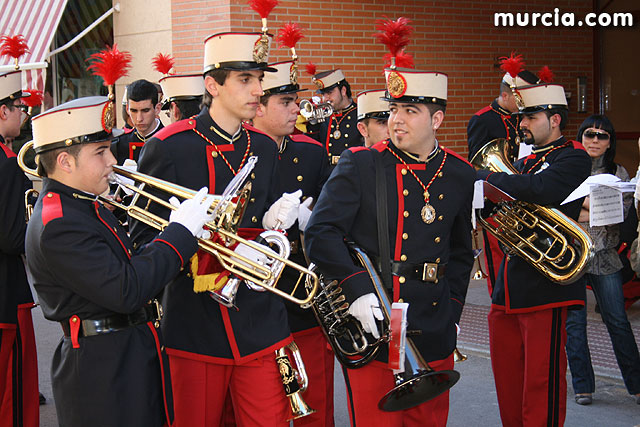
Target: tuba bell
<point>418,383</point>
<point>294,381</point>
<point>554,244</point>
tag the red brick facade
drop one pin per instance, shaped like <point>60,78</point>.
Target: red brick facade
<point>456,37</point>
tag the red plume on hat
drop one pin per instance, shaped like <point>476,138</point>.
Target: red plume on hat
<point>35,99</point>
<point>514,64</point>
<point>13,46</point>
<point>263,8</point>
<point>311,68</point>
<point>163,63</point>
<point>395,35</point>
<point>545,75</point>
<point>289,35</point>
<point>110,64</point>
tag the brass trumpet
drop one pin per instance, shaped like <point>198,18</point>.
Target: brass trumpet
<point>315,113</point>
<point>556,245</point>
<point>294,381</point>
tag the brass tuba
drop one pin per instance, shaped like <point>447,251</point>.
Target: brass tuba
<point>294,381</point>
<point>554,244</point>
<point>418,383</point>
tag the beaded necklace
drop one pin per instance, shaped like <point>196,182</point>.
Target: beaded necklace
<point>428,212</point>
<point>244,158</point>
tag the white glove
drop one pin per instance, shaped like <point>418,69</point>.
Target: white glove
<point>131,166</point>
<point>283,213</point>
<point>366,309</point>
<point>248,252</point>
<point>304,213</point>
<point>192,213</point>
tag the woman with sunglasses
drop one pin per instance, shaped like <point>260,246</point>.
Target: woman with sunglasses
<point>603,275</point>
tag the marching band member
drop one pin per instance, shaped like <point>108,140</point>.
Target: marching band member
<point>18,359</point>
<point>339,131</point>
<point>528,312</point>
<point>214,349</point>
<point>302,167</point>
<point>373,114</point>
<point>429,208</point>
<point>110,367</point>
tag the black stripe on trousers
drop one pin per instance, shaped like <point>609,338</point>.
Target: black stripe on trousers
<point>349,396</point>
<point>553,393</point>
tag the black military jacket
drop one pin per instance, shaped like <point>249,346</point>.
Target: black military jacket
<point>303,165</point>
<point>490,123</point>
<point>347,210</point>
<point>195,325</point>
<point>14,287</point>
<point>338,132</point>
<point>546,178</point>
<point>82,263</point>
<point>129,144</point>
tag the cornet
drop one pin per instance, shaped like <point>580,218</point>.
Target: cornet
<point>294,381</point>
<point>315,113</point>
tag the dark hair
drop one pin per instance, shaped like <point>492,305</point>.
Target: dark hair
<point>602,122</point>
<point>141,90</point>
<point>564,115</point>
<point>433,108</point>
<point>345,83</point>
<point>47,161</point>
<point>505,87</point>
<point>188,108</point>
<point>264,99</point>
<point>220,76</point>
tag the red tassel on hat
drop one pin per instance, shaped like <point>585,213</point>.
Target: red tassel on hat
<point>110,64</point>
<point>513,64</point>
<point>545,75</point>
<point>311,68</point>
<point>13,46</point>
<point>394,35</point>
<point>163,63</point>
<point>35,99</point>
<point>263,7</point>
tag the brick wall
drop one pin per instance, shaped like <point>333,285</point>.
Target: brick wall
<point>456,37</point>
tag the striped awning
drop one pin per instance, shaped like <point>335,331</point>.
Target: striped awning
<point>36,21</point>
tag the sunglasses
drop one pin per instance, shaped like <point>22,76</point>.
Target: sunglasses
<point>600,135</point>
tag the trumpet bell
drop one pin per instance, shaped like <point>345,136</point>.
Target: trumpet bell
<point>418,389</point>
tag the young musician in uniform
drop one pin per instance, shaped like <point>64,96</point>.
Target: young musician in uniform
<point>110,367</point>
<point>302,167</point>
<point>373,114</point>
<point>429,191</point>
<point>18,359</point>
<point>528,312</point>
<point>182,95</point>
<point>214,349</point>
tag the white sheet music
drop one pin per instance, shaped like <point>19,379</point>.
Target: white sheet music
<point>605,206</point>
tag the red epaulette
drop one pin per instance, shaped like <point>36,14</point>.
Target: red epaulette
<point>51,207</point>
<point>8,151</point>
<point>380,146</point>
<point>453,153</point>
<point>247,126</point>
<point>127,130</point>
<point>304,138</point>
<point>484,110</point>
<point>173,128</point>
<point>578,145</point>
<point>358,148</point>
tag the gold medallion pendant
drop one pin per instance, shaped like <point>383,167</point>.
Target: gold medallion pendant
<point>428,213</point>
<point>336,134</point>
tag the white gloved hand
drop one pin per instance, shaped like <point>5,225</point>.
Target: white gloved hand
<point>248,252</point>
<point>304,212</point>
<point>131,166</point>
<point>284,212</point>
<point>192,213</point>
<point>367,309</point>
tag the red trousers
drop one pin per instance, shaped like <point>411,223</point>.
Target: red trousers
<point>318,361</point>
<point>367,385</point>
<point>529,366</point>
<point>200,390</point>
<point>19,399</point>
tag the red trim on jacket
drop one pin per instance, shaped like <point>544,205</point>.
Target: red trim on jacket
<point>131,150</point>
<point>484,110</point>
<point>156,340</point>
<point>350,276</point>
<point>8,151</point>
<point>400,222</point>
<point>51,207</point>
<point>8,326</point>
<point>356,149</point>
<point>172,247</point>
<point>304,138</point>
<point>228,327</point>
<point>578,145</point>
<point>211,168</point>
<point>96,205</point>
<point>454,154</point>
<point>380,146</point>
<point>173,128</point>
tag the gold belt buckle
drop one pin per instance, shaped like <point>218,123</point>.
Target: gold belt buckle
<point>334,160</point>
<point>430,272</point>
<point>159,312</point>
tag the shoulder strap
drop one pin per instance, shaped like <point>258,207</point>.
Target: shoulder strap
<point>383,220</point>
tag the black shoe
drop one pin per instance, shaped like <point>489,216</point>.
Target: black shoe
<point>583,399</point>
<point>43,399</point>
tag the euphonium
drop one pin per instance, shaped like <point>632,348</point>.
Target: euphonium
<point>418,383</point>
<point>294,381</point>
<point>554,244</point>
<point>315,113</point>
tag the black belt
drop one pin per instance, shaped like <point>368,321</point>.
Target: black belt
<point>151,312</point>
<point>425,272</point>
